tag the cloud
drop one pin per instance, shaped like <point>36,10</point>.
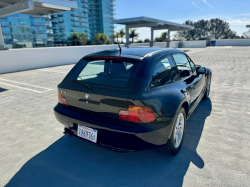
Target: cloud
<point>208,4</point>
<point>196,5</point>
<point>239,22</point>
<point>239,25</point>
<point>247,14</point>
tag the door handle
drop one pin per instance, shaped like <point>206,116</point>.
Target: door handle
<point>192,87</point>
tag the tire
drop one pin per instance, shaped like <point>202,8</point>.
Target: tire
<point>208,86</point>
<point>173,147</point>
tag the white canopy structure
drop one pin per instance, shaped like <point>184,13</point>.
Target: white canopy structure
<point>154,24</point>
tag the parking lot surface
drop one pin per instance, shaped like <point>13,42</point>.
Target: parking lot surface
<point>216,151</point>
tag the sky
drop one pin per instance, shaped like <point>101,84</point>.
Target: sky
<point>235,12</point>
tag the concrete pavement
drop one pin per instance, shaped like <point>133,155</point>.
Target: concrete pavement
<point>216,151</point>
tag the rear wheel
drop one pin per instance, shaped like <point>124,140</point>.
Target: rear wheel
<point>174,144</point>
<point>206,94</point>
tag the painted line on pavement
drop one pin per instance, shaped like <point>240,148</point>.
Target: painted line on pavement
<point>54,71</point>
<point>24,88</point>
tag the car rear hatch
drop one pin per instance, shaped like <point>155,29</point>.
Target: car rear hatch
<point>100,84</point>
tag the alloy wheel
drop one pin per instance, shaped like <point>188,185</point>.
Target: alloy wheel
<point>178,131</point>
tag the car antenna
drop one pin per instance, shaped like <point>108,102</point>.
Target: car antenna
<point>120,48</point>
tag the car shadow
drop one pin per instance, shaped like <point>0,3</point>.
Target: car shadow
<point>2,89</point>
<point>72,162</point>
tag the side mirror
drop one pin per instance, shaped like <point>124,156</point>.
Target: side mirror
<point>200,70</point>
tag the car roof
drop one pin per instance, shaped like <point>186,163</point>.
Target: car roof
<point>137,53</point>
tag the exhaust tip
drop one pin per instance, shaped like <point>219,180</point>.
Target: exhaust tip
<point>67,132</point>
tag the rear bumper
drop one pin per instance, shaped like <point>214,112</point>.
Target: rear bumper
<point>113,134</point>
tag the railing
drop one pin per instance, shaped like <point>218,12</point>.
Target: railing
<point>43,31</point>
<point>60,20</point>
<point>84,1</point>
<point>75,15</point>
<point>85,6</point>
<point>6,32</point>
<point>45,16</point>
<point>5,24</point>
<point>78,25</point>
<point>41,23</point>
<point>54,16</point>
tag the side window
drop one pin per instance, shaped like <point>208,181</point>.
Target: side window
<point>165,72</point>
<point>183,65</point>
<point>192,65</point>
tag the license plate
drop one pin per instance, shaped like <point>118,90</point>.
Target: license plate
<point>87,133</point>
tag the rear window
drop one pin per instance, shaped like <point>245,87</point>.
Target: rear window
<point>111,73</point>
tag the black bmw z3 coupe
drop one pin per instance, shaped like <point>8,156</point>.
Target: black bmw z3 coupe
<point>131,100</point>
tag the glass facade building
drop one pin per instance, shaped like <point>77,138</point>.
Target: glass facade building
<point>91,17</point>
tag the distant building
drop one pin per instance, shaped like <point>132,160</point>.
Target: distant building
<point>91,17</point>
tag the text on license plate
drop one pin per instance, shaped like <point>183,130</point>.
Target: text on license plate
<point>87,133</point>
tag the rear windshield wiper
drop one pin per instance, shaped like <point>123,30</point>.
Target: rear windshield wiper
<point>79,82</point>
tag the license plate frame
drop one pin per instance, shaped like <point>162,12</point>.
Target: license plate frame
<point>87,133</point>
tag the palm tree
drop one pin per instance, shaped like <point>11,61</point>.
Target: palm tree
<point>175,36</point>
<point>122,34</point>
<point>101,37</point>
<point>83,38</point>
<point>117,36</point>
<point>74,37</point>
<point>113,37</point>
<point>133,34</point>
<point>164,36</point>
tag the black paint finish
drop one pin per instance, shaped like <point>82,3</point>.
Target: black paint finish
<point>101,110</point>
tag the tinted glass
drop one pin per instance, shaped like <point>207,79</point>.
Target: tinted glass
<point>165,72</point>
<point>183,65</point>
<point>114,73</point>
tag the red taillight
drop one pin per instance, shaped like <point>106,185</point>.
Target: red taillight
<point>138,114</point>
<point>62,99</point>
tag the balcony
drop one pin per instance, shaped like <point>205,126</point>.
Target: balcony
<point>78,25</point>
<point>45,16</point>
<point>79,20</point>
<point>41,23</point>
<point>61,20</point>
<point>54,16</point>
<point>85,6</point>
<point>55,27</point>
<point>6,32</point>
<point>54,21</point>
<point>55,34</point>
<point>42,32</point>
<point>84,1</point>
<point>84,16</point>
<point>75,15</point>
<point>3,24</point>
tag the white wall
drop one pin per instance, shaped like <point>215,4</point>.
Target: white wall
<point>233,42</point>
<point>194,44</point>
<point>8,61</point>
<point>25,59</point>
<point>174,44</point>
